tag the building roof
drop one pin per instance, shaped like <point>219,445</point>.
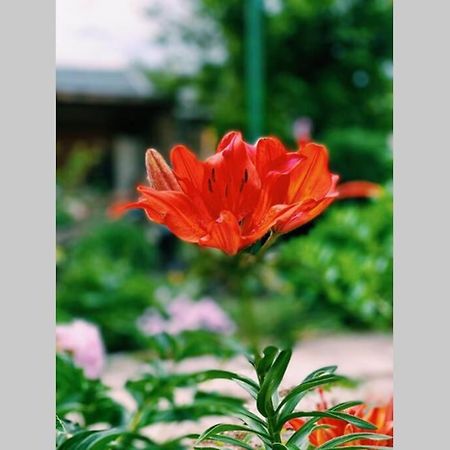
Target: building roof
<point>103,83</point>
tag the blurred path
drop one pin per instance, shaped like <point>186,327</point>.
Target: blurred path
<point>368,357</point>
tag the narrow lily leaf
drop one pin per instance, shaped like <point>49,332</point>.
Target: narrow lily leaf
<point>232,441</point>
<point>345,405</point>
<point>293,398</point>
<point>249,385</point>
<point>301,435</point>
<point>331,415</point>
<point>279,446</point>
<point>99,440</point>
<point>319,372</point>
<point>251,419</point>
<point>74,440</point>
<point>272,382</point>
<point>266,361</point>
<point>333,443</point>
<point>222,427</point>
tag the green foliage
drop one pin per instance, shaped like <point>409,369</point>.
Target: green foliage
<point>327,60</point>
<point>342,270</point>
<point>193,343</point>
<point>63,216</point>
<point>105,278</point>
<point>156,402</point>
<point>273,412</point>
<point>155,397</point>
<point>359,154</point>
<point>118,240</point>
<point>87,398</point>
<point>80,161</point>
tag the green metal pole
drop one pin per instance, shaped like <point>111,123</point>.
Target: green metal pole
<point>254,74</point>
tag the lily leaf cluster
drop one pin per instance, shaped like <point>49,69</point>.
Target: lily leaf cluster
<point>273,412</point>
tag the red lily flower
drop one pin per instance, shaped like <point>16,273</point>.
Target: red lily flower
<point>233,198</point>
<point>381,416</point>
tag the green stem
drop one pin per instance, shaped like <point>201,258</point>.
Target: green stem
<point>249,319</point>
<point>250,262</point>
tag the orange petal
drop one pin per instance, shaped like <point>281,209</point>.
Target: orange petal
<point>231,182</point>
<point>312,178</point>
<point>307,210</point>
<point>353,189</point>
<point>272,156</point>
<point>227,139</point>
<point>175,210</point>
<point>223,234</point>
<point>187,168</point>
<point>295,424</point>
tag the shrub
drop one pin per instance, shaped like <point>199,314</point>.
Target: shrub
<point>343,267</point>
<point>106,279</point>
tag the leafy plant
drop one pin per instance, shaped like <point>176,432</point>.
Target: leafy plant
<point>104,278</point>
<point>342,270</point>
<point>323,58</point>
<point>273,412</point>
<point>89,399</point>
<point>359,154</point>
<point>155,396</point>
<point>193,343</point>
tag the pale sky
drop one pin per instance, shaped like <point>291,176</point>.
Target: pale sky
<point>115,33</point>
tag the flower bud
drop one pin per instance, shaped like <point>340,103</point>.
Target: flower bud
<point>159,174</point>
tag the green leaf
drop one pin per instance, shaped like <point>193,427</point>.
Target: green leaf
<point>99,440</point>
<point>333,443</point>
<point>279,446</point>
<point>291,400</point>
<point>249,385</point>
<point>272,382</point>
<point>345,405</point>
<point>319,372</point>
<point>206,448</point>
<point>302,434</point>
<point>232,441</point>
<point>331,415</point>
<point>222,427</point>
<point>266,361</point>
<point>251,419</point>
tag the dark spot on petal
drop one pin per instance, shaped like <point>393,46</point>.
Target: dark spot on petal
<point>213,175</point>
<point>210,189</point>
<point>226,190</point>
<point>241,187</point>
<point>245,176</point>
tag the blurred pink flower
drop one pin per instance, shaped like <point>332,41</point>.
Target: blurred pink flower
<point>84,342</point>
<point>186,314</point>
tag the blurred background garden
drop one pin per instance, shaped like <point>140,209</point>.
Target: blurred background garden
<point>154,73</point>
